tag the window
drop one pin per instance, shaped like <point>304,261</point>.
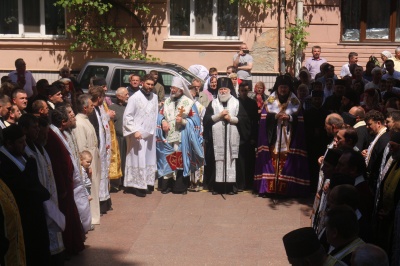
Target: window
<point>165,79</point>
<point>31,18</point>
<point>93,71</point>
<point>370,20</point>
<point>121,77</point>
<point>203,18</point>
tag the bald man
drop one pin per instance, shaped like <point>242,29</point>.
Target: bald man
<point>364,138</point>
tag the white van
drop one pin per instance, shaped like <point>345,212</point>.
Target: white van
<point>116,72</point>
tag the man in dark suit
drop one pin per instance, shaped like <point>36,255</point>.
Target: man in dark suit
<point>19,172</point>
<point>351,166</point>
<point>332,103</point>
<point>5,107</point>
<point>364,138</point>
<point>375,122</point>
<point>316,136</point>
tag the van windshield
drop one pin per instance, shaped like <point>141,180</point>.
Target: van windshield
<point>187,75</point>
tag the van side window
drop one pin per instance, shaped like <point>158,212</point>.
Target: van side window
<point>121,77</point>
<point>93,71</point>
<point>165,79</point>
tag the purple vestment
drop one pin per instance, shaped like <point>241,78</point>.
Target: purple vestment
<point>294,180</point>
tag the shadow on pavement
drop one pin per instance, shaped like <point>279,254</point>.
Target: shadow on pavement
<point>99,257</point>
<point>274,202</point>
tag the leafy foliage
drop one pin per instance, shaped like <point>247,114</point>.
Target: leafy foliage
<point>247,3</point>
<point>298,35</point>
<point>92,27</point>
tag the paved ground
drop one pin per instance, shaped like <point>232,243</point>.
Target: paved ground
<point>196,229</point>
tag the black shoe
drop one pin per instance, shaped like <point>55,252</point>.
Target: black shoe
<point>140,193</point>
<point>231,193</point>
<point>129,190</point>
<point>184,192</point>
<point>214,193</point>
<point>114,190</point>
<point>166,191</point>
<point>148,191</point>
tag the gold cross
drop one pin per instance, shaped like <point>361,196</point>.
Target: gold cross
<point>181,110</point>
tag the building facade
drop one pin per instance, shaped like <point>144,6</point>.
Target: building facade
<point>206,32</point>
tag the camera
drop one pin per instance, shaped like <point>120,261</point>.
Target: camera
<point>246,51</point>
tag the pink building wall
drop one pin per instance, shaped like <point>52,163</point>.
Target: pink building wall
<point>258,28</point>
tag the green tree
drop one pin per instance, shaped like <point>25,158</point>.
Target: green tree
<point>93,26</point>
<point>297,35</point>
<point>249,2</point>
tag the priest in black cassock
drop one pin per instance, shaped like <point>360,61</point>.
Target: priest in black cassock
<point>224,123</point>
<point>248,140</point>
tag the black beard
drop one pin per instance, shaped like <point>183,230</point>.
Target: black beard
<point>145,92</point>
<point>283,98</point>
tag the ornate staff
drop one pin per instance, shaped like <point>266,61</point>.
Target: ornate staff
<point>278,159</point>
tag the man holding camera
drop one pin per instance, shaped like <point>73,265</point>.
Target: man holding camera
<point>23,78</point>
<point>243,62</point>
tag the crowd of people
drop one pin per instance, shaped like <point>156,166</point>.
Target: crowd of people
<point>352,138</point>
<point>63,152</point>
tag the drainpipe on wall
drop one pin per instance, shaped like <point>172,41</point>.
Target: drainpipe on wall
<point>282,29</point>
<point>299,53</point>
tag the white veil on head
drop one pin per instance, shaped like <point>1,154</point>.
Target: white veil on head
<point>200,71</point>
<point>181,84</point>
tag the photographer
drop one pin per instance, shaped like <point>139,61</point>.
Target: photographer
<point>243,62</point>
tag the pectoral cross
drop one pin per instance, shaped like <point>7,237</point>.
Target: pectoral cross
<point>181,111</point>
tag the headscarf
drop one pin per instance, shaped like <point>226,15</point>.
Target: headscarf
<point>213,92</point>
<point>259,97</point>
<point>200,71</point>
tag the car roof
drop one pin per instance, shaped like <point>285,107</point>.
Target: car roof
<point>130,62</point>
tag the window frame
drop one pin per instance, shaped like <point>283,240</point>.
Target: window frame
<point>363,24</point>
<point>213,36</point>
<point>42,34</point>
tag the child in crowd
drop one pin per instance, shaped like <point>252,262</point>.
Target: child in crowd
<point>86,161</point>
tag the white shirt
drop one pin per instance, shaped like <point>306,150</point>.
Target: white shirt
<point>345,71</point>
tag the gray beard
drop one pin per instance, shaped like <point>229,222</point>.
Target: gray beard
<point>176,96</point>
<point>224,98</point>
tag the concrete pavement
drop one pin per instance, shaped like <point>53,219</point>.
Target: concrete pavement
<point>193,229</point>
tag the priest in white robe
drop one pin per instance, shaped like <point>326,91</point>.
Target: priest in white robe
<point>86,139</point>
<point>81,195</point>
<point>99,119</point>
<point>139,126</point>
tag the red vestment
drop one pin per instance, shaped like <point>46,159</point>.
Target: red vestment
<point>63,170</point>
